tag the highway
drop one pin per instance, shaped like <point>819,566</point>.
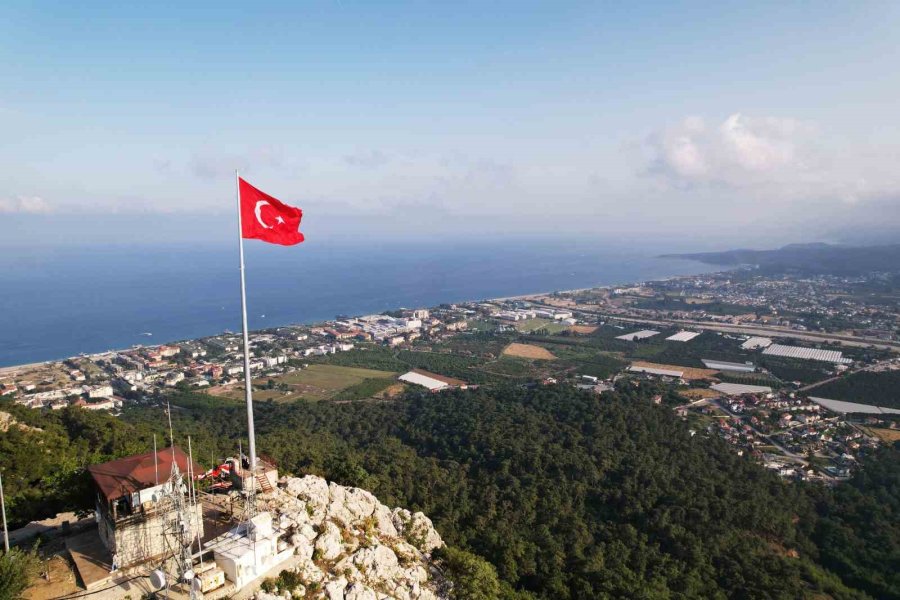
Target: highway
<point>753,330</point>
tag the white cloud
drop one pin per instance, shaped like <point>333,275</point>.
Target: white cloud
<point>25,205</point>
<point>741,151</point>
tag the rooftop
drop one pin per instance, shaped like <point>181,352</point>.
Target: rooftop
<point>133,473</point>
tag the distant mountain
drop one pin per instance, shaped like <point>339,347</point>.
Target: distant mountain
<point>808,258</point>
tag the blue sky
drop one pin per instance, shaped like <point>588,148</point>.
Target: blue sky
<point>733,122</point>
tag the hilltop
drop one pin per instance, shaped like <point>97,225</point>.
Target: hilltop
<point>816,258</point>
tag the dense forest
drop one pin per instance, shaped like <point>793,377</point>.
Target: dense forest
<point>568,495</point>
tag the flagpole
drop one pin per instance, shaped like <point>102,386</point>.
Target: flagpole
<point>3,510</point>
<point>248,386</point>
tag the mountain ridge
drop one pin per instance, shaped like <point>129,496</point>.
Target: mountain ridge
<point>806,258</point>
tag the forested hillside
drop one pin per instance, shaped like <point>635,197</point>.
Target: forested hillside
<point>569,495</point>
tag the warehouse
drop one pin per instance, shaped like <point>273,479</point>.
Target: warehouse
<point>432,381</point>
<point>723,365</point>
<point>683,336</point>
<point>736,389</point>
<point>638,335</point>
<point>832,356</point>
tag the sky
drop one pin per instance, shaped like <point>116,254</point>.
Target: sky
<point>696,124</point>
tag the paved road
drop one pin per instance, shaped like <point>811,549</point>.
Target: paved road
<point>788,453</point>
<point>759,330</point>
<point>875,367</point>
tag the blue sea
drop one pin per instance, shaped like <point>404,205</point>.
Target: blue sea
<point>62,301</point>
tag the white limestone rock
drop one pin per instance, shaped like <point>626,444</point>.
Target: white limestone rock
<point>330,542</point>
<point>334,590</point>
<point>417,529</point>
<point>378,564</point>
<point>358,591</point>
<point>364,550</point>
<point>311,489</point>
<point>384,522</point>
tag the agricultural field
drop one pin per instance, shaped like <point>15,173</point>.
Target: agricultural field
<point>699,393</point>
<point>528,351</point>
<point>583,329</point>
<point>316,382</point>
<point>531,325</point>
<point>886,435</point>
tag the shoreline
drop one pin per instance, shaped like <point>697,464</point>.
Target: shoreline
<point>8,369</point>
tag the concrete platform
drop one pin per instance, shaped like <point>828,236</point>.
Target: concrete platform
<point>92,560</point>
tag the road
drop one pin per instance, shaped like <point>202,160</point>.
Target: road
<point>759,330</point>
<point>785,451</point>
<point>874,367</point>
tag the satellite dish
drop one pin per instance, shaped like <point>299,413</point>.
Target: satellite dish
<point>188,575</point>
<point>197,585</point>
<point>158,579</point>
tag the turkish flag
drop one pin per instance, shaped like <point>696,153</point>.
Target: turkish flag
<point>268,219</point>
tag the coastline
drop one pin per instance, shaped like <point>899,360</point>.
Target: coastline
<point>4,370</point>
<point>614,280</point>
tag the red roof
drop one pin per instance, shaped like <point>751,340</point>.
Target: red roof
<point>132,473</point>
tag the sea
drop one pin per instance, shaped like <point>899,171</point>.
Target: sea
<point>57,302</point>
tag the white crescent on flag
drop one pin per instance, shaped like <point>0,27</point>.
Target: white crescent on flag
<point>256,211</point>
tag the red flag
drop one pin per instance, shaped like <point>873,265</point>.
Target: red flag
<point>268,219</point>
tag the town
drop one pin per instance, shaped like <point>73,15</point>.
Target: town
<point>738,349</point>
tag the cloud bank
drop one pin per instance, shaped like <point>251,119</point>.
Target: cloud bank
<point>31,205</point>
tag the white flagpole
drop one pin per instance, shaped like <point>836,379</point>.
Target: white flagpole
<point>248,386</point>
<point>3,510</point>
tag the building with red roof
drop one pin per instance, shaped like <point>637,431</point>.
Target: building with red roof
<point>135,503</point>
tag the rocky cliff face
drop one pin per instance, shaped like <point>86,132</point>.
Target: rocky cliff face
<point>350,546</point>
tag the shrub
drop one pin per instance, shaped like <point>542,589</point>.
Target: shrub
<point>17,569</point>
<point>473,577</point>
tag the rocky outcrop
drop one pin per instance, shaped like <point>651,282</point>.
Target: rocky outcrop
<point>349,546</point>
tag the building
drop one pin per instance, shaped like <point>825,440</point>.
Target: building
<point>135,505</point>
<point>431,381</point>
<point>419,313</point>
<point>722,365</point>
<point>100,391</point>
<point>249,550</point>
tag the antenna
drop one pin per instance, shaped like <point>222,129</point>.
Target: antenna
<point>155,460</point>
<point>171,437</point>
<point>191,475</point>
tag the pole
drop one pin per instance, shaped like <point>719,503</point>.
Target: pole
<point>155,460</point>
<point>248,385</point>
<point>3,510</point>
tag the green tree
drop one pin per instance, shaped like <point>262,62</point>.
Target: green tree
<point>17,569</point>
<point>473,577</point>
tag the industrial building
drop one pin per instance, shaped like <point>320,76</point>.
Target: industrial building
<point>655,371</point>
<point>432,381</point>
<point>832,356</point>
<point>724,365</point>
<point>683,336</point>
<point>637,335</point>
<point>736,389</point>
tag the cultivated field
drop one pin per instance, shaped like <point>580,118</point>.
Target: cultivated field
<point>583,329</point>
<point>699,393</point>
<point>886,435</point>
<point>529,325</point>
<point>528,351</point>
<point>316,382</point>
<point>689,372</point>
